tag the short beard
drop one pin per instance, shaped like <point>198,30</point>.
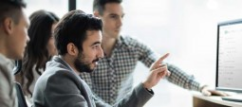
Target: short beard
<point>80,65</point>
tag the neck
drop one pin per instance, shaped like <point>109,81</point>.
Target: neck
<point>108,44</point>
<point>3,48</point>
<point>70,62</point>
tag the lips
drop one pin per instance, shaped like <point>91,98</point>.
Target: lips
<point>117,30</point>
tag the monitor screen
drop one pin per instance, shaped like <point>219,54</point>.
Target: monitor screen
<point>229,56</point>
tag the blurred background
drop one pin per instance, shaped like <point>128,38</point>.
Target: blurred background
<point>187,29</point>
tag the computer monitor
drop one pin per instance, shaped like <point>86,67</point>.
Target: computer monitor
<point>229,56</point>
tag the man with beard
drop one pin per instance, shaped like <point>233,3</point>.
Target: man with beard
<point>78,40</point>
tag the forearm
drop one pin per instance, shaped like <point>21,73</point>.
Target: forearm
<point>182,79</point>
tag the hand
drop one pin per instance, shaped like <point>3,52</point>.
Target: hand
<point>207,91</point>
<point>159,63</point>
<point>157,72</point>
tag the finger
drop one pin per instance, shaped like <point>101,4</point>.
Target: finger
<point>218,93</point>
<point>165,73</point>
<point>159,71</point>
<point>168,73</point>
<point>162,58</point>
<point>206,93</point>
<point>161,68</point>
<point>160,65</point>
<point>162,73</point>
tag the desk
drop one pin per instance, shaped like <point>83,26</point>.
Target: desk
<point>200,100</point>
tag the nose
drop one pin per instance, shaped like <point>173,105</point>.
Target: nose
<point>120,22</point>
<point>27,38</point>
<point>100,53</point>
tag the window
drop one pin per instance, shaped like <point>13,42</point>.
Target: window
<point>59,7</point>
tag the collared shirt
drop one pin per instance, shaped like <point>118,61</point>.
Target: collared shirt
<point>112,79</point>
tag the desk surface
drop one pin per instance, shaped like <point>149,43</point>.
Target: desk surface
<point>217,100</point>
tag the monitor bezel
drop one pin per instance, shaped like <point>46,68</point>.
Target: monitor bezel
<point>225,23</point>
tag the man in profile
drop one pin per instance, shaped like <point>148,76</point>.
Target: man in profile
<point>78,41</point>
<point>13,39</point>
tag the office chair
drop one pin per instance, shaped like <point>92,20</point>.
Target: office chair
<point>20,95</point>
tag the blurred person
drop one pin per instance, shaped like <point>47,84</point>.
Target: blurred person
<point>13,39</point>
<point>78,40</point>
<point>113,77</point>
<point>39,50</point>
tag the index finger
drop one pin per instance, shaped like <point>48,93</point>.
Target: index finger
<point>163,57</point>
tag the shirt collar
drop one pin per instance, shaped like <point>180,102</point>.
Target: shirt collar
<point>121,41</point>
<point>2,57</point>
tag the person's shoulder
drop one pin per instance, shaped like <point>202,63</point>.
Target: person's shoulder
<point>55,72</point>
<point>2,76</point>
<point>130,40</point>
<point>55,76</point>
<point>133,41</point>
<point>2,69</point>
<point>5,70</point>
<point>58,69</point>
<point>6,78</point>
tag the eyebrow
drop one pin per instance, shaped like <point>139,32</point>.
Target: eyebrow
<point>95,43</point>
<point>114,14</point>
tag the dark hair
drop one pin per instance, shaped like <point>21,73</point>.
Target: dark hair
<point>100,4</point>
<point>73,28</point>
<point>12,9</point>
<point>36,53</point>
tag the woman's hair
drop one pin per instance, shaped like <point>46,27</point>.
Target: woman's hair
<point>36,53</point>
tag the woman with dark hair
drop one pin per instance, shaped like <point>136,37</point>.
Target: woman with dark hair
<point>39,49</point>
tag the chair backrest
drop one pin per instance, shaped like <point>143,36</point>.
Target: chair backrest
<point>20,95</point>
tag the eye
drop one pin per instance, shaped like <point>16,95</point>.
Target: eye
<point>95,46</point>
<point>114,16</point>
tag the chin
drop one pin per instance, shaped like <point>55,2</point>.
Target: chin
<point>92,67</point>
<point>18,57</point>
<point>116,36</point>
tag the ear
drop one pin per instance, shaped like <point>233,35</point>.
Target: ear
<point>72,49</point>
<point>8,25</point>
<point>96,13</point>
